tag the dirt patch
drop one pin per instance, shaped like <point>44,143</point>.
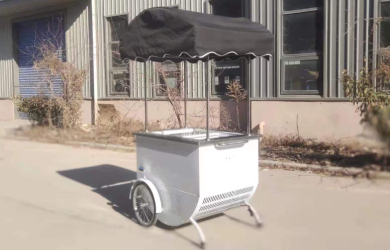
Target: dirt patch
<point>297,149</point>
<point>121,133</point>
<point>86,134</point>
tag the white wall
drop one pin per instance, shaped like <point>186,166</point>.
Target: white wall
<point>322,120</point>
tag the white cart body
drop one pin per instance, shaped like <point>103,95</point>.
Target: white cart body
<point>196,178</point>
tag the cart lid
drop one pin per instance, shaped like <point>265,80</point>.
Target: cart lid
<point>161,34</point>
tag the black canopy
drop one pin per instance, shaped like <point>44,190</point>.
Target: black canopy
<point>160,34</point>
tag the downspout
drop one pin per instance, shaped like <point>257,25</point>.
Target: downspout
<point>94,62</point>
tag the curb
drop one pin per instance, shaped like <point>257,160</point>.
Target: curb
<point>339,171</point>
<point>76,143</point>
<point>100,146</point>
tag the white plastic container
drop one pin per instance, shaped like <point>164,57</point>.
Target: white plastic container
<point>195,178</point>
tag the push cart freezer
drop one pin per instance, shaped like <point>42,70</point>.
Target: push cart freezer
<point>188,174</point>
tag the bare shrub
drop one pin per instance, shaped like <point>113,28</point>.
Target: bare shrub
<point>371,98</point>
<point>112,122</point>
<point>170,87</point>
<point>48,108</point>
<point>40,110</point>
<point>238,94</point>
<point>225,119</point>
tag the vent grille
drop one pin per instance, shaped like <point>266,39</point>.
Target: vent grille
<point>222,203</point>
<point>218,210</point>
<point>227,195</point>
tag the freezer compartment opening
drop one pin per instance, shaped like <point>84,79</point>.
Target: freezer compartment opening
<point>197,134</point>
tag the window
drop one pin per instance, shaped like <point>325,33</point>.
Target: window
<point>302,46</point>
<point>118,75</point>
<point>169,77</point>
<point>385,25</point>
<point>289,5</point>
<point>223,72</point>
<point>384,45</point>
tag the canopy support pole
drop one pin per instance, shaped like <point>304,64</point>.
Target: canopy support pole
<point>207,101</point>
<point>185,81</point>
<point>249,111</point>
<point>146,99</point>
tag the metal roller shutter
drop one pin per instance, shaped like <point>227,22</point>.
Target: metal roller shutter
<point>30,35</point>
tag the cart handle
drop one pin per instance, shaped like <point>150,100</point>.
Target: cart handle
<point>228,144</point>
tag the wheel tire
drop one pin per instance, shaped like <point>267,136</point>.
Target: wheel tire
<point>144,205</point>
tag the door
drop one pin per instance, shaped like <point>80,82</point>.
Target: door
<point>31,35</point>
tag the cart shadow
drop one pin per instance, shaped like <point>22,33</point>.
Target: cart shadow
<point>111,182</point>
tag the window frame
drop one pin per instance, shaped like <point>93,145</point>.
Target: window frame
<point>110,71</point>
<point>380,23</point>
<point>300,56</point>
<point>246,13</point>
<point>379,40</point>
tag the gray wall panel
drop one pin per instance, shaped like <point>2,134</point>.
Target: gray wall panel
<point>133,8</point>
<point>6,58</point>
<point>348,40</point>
<point>78,39</point>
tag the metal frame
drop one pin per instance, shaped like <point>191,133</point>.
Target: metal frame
<point>146,98</point>
<point>208,85</point>
<point>249,107</point>
<point>200,232</point>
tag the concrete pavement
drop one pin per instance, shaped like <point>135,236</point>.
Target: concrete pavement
<point>50,199</point>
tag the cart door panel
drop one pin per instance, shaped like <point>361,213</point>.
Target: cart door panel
<point>228,169</point>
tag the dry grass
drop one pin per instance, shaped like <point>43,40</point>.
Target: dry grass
<point>117,133</point>
<point>296,149</point>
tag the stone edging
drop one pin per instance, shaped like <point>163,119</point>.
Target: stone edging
<point>100,146</point>
<point>338,171</point>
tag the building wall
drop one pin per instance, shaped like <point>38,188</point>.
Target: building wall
<point>132,8</point>
<point>6,58</point>
<point>86,112</point>
<point>77,43</point>
<point>6,110</point>
<point>328,121</point>
<point>161,112</point>
<point>321,120</point>
<point>347,41</point>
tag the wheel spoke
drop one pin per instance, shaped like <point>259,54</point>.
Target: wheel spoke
<point>146,214</point>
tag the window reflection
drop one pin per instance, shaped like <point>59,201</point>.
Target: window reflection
<point>385,25</point>
<point>302,74</point>
<point>303,33</point>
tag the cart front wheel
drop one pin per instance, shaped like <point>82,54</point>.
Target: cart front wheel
<point>144,205</point>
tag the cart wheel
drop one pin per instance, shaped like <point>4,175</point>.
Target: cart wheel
<point>144,205</point>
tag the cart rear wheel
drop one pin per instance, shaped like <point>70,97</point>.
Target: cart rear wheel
<point>144,205</point>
